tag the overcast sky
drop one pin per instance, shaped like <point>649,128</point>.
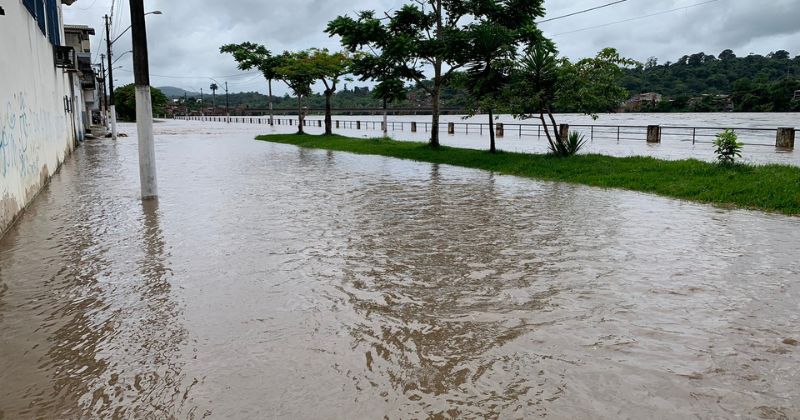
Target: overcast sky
<point>184,41</point>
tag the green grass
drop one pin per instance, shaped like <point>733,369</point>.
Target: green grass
<point>773,188</point>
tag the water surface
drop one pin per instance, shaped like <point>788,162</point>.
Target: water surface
<point>275,282</point>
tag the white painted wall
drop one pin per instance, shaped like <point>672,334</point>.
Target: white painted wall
<point>36,132</point>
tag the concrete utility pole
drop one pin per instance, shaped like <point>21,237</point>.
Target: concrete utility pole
<point>144,105</point>
<point>227,104</point>
<point>104,99</point>
<point>111,107</point>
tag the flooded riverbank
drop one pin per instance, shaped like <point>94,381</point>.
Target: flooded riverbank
<point>272,281</point>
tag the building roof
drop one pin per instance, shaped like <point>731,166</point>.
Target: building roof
<point>79,28</point>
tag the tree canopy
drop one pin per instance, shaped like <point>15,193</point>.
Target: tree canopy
<point>426,35</point>
<point>125,101</point>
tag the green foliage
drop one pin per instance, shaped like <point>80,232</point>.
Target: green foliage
<point>543,83</point>
<point>125,101</point>
<point>436,35</point>
<point>728,148</point>
<point>755,83</point>
<point>567,147</point>
<point>250,56</point>
<point>755,187</point>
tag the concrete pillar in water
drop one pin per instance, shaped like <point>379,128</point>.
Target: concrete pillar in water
<point>451,128</point>
<point>785,138</point>
<point>654,134</point>
<point>498,129</point>
<point>358,125</point>
<point>413,126</point>
<point>337,123</point>
<point>319,123</point>
<point>563,131</point>
<point>113,110</point>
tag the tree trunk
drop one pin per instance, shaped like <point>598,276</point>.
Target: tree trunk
<point>300,115</point>
<point>271,114</point>
<point>385,120</point>
<point>437,88</point>
<point>492,148</point>
<point>328,119</point>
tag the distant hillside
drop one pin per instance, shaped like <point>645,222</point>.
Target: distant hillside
<point>176,92</point>
<point>703,82</point>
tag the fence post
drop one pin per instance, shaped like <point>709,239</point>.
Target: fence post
<point>563,131</point>
<point>451,128</point>
<point>358,125</point>
<point>337,123</point>
<point>654,134</point>
<point>785,138</point>
<point>499,130</point>
<point>413,126</point>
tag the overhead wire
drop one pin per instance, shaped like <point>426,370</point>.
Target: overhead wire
<point>677,9</point>
<point>582,11</point>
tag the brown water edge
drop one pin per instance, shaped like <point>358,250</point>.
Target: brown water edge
<point>275,281</point>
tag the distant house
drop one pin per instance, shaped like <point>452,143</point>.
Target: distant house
<point>77,37</point>
<point>642,100</point>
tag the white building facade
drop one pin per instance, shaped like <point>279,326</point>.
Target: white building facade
<point>41,101</point>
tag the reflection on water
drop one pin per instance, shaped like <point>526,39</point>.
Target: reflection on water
<point>268,277</point>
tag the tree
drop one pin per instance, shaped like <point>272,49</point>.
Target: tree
<point>328,68</point>
<point>544,82</point>
<point>488,75</point>
<point>255,56</point>
<point>293,70</point>
<point>425,32</point>
<point>214,88</point>
<point>500,29</point>
<point>125,101</point>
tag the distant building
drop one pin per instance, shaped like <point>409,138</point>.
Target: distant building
<point>642,100</point>
<point>77,37</point>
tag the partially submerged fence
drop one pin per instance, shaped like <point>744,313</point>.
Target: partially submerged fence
<point>783,138</point>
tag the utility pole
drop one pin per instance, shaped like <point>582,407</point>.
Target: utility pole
<point>144,105</point>
<point>202,103</point>
<point>104,98</point>
<point>112,107</point>
<point>227,104</point>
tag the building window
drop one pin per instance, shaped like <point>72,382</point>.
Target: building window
<point>53,32</point>
<point>31,6</point>
<point>45,13</point>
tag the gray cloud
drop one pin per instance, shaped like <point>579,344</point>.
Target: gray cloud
<point>184,41</point>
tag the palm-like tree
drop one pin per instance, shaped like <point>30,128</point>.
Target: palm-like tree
<point>214,88</point>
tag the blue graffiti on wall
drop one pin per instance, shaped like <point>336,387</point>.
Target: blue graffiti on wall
<point>23,131</point>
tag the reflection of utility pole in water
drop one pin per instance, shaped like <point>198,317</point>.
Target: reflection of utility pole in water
<point>144,105</point>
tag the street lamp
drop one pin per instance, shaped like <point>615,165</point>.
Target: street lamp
<point>121,55</point>
<point>109,43</point>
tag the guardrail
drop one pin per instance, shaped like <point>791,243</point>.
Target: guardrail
<point>782,138</point>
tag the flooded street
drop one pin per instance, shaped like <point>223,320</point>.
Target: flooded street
<point>270,281</point>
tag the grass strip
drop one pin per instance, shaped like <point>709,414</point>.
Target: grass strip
<point>773,188</point>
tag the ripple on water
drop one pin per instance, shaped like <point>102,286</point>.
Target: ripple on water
<point>269,276</point>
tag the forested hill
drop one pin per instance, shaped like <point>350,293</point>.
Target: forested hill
<point>695,82</point>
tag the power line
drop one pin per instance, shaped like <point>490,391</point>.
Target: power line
<point>582,11</point>
<point>202,77</point>
<point>637,18</point>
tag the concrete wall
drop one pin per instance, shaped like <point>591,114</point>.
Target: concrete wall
<point>36,131</point>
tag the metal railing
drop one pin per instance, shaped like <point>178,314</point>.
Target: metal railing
<point>751,136</point>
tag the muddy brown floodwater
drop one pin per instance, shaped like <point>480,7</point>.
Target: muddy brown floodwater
<point>275,282</point>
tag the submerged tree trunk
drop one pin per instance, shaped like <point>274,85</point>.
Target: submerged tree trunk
<point>385,120</point>
<point>300,115</point>
<point>492,148</point>
<point>435,109</point>
<point>328,119</point>
<point>271,113</point>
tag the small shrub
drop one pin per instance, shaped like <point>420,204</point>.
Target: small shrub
<point>728,147</point>
<point>569,146</point>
